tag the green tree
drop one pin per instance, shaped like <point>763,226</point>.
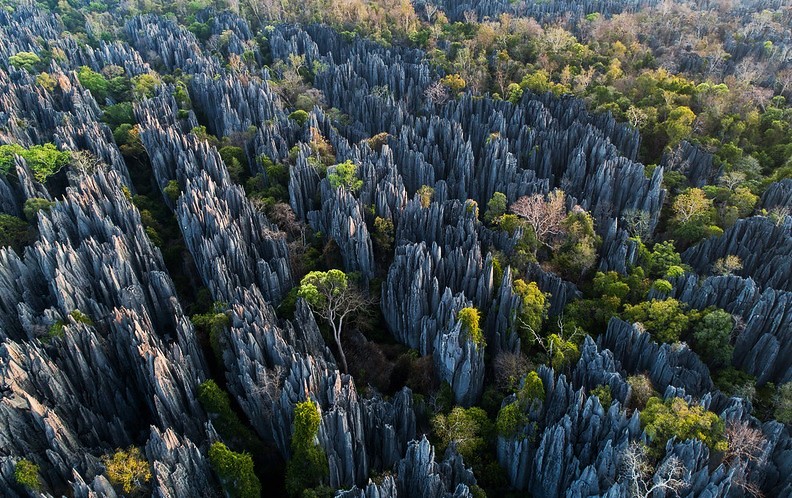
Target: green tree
<point>308,464</point>
<point>213,323</point>
<point>532,389</point>
<point>511,419</point>
<point>783,403</point>
<point>679,124</point>
<point>25,60</point>
<point>26,473</point>
<point>384,234</point>
<point>128,139</point>
<point>34,205</point>
<point>665,320</point>
<point>561,351</point>
<point>464,427</point>
<point>46,81</point>
<point>144,85</point>
<point>217,404</point>
<point>674,417</point>
<point>45,160</point>
<point>299,116</point>
<point>118,114</point>
<point>496,207</point>
<point>603,392</point>
<point>692,215</point>
<point>332,297</point>
<point>711,337</point>
<point>94,82</point>
<point>661,259</point>
<point>344,175</point>
<point>14,232</point>
<point>470,325</point>
<point>454,83</point>
<point>533,310</point>
<point>172,190</point>
<point>425,194</point>
<point>235,470</point>
<point>578,253</point>
<point>235,160</point>
<point>127,469</point>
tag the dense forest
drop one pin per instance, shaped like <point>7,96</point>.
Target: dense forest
<point>380,248</point>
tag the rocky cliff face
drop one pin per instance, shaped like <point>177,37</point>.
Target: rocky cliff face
<point>763,245</point>
<point>91,339</point>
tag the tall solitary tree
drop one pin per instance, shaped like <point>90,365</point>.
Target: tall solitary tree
<point>332,297</point>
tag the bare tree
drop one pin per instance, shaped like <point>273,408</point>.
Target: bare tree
<point>470,16</point>
<point>643,480</point>
<point>509,368</point>
<point>437,93</point>
<point>546,217</point>
<point>637,222</point>
<point>429,10</point>
<point>746,443</point>
<point>784,80</point>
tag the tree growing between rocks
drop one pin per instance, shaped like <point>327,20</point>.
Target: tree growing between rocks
<point>308,464</point>
<point>334,298</point>
<point>643,480</point>
<point>127,469</point>
<point>545,216</point>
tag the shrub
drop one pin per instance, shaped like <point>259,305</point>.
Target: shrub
<point>641,390</point>
<point>783,404</point>
<point>384,234</point>
<point>674,418</point>
<point>54,332</point>
<point>213,323</point>
<point>46,81</point>
<point>603,393</point>
<point>94,82</point>
<point>345,175</point>
<point>532,389</point>
<point>308,464</point>
<point>25,60</point>
<point>425,194</point>
<point>454,83</point>
<point>44,160</point>
<point>464,427</point>
<point>727,265</point>
<point>662,286</point>
<point>496,207</point>
<point>236,472</point>
<point>665,320</point>
<point>470,325</point>
<point>127,469</point>
<point>14,232</point>
<point>80,317</point>
<point>533,310</point>
<point>26,474</point>
<point>34,205</point>
<point>172,190</point>
<point>711,338</point>
<point>511,419</point>
<point>299,116</point>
